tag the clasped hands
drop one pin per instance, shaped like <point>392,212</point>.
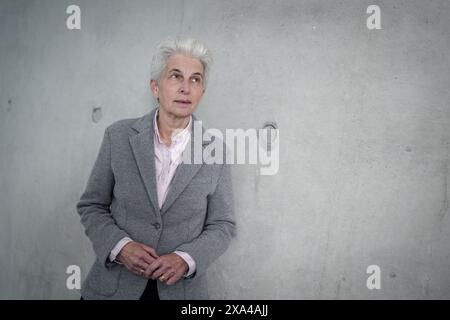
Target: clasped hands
<point>143,261</point>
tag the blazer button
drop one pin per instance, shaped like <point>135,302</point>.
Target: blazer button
<point>157,225</point>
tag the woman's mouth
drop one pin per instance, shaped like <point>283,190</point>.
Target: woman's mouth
<point>183,102</point>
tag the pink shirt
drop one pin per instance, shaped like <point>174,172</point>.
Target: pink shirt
<point>167,159</point>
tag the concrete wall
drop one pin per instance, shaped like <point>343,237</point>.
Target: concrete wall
<point>364,122</point>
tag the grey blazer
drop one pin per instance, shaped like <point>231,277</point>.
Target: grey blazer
<point>120,200</point>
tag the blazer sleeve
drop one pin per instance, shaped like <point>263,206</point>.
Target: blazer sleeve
<point>219,226</point>
<point>94,205</point>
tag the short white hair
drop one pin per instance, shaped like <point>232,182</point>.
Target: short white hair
<point>187,46</point>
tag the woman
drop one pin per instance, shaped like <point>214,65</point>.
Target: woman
<point>156,224</point>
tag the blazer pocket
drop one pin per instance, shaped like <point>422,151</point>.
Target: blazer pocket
<point>104,281</point>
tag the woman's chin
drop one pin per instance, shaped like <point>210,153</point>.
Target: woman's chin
<point>183,111</point>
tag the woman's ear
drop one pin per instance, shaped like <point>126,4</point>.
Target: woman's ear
<point>155,89</point>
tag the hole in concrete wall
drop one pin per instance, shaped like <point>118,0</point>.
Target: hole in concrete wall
<point>8,108</point>
<point>96,114</point>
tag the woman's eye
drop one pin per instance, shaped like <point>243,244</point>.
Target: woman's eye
<point>174,76</point>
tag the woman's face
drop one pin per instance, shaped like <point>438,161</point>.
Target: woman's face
<point>181,85</point>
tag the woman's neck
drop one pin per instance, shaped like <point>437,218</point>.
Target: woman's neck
<point>169,125</point>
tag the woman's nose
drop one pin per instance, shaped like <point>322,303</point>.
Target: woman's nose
<point>185,87</point>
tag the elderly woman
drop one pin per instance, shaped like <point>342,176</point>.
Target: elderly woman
<point>156,223</point>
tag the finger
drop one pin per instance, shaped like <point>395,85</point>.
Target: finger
<point>172,279</point>
<point>146,259</point>
<point>139,263</point>
<point>139,271</point>
<point>164,277</point>
<point>162,271</point>
<point>150,250</point>
<point>152,267</point>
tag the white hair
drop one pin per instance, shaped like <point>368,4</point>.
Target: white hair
<point>187,46</point>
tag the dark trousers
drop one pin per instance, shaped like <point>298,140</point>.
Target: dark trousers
<point>150,292</point>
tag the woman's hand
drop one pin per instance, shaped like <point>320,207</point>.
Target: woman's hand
<point>168,268</point>
<point>137,257</point>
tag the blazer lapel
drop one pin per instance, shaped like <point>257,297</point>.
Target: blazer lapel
<point>185,171</point>
<point>144,153</point>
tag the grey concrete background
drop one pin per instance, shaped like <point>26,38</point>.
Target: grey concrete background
<point>364,122</point>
